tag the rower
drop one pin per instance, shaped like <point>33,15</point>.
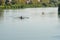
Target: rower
<point>42,13</point>
<point>21,17</point>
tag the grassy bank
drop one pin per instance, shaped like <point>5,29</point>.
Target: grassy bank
<point>17,6</point>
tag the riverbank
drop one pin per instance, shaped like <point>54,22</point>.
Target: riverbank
<point>19,6</point>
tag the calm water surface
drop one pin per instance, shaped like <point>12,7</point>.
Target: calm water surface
<point>37,27</point>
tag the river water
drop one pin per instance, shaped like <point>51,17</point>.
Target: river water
<point>37,27</point>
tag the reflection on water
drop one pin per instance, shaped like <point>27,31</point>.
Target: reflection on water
<point>59,17</point>
<point>37,27</point>
<point>1,15</point>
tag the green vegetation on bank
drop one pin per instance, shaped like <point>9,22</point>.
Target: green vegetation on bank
<point>16,6</point>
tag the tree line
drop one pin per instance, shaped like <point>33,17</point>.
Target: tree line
<point>26,4</point>
<point>3,2</point>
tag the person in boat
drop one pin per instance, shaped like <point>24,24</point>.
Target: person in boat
<point>21,17</point>
<point>42,13</point>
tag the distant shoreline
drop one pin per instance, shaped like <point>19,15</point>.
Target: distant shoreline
<point>24,6</point>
